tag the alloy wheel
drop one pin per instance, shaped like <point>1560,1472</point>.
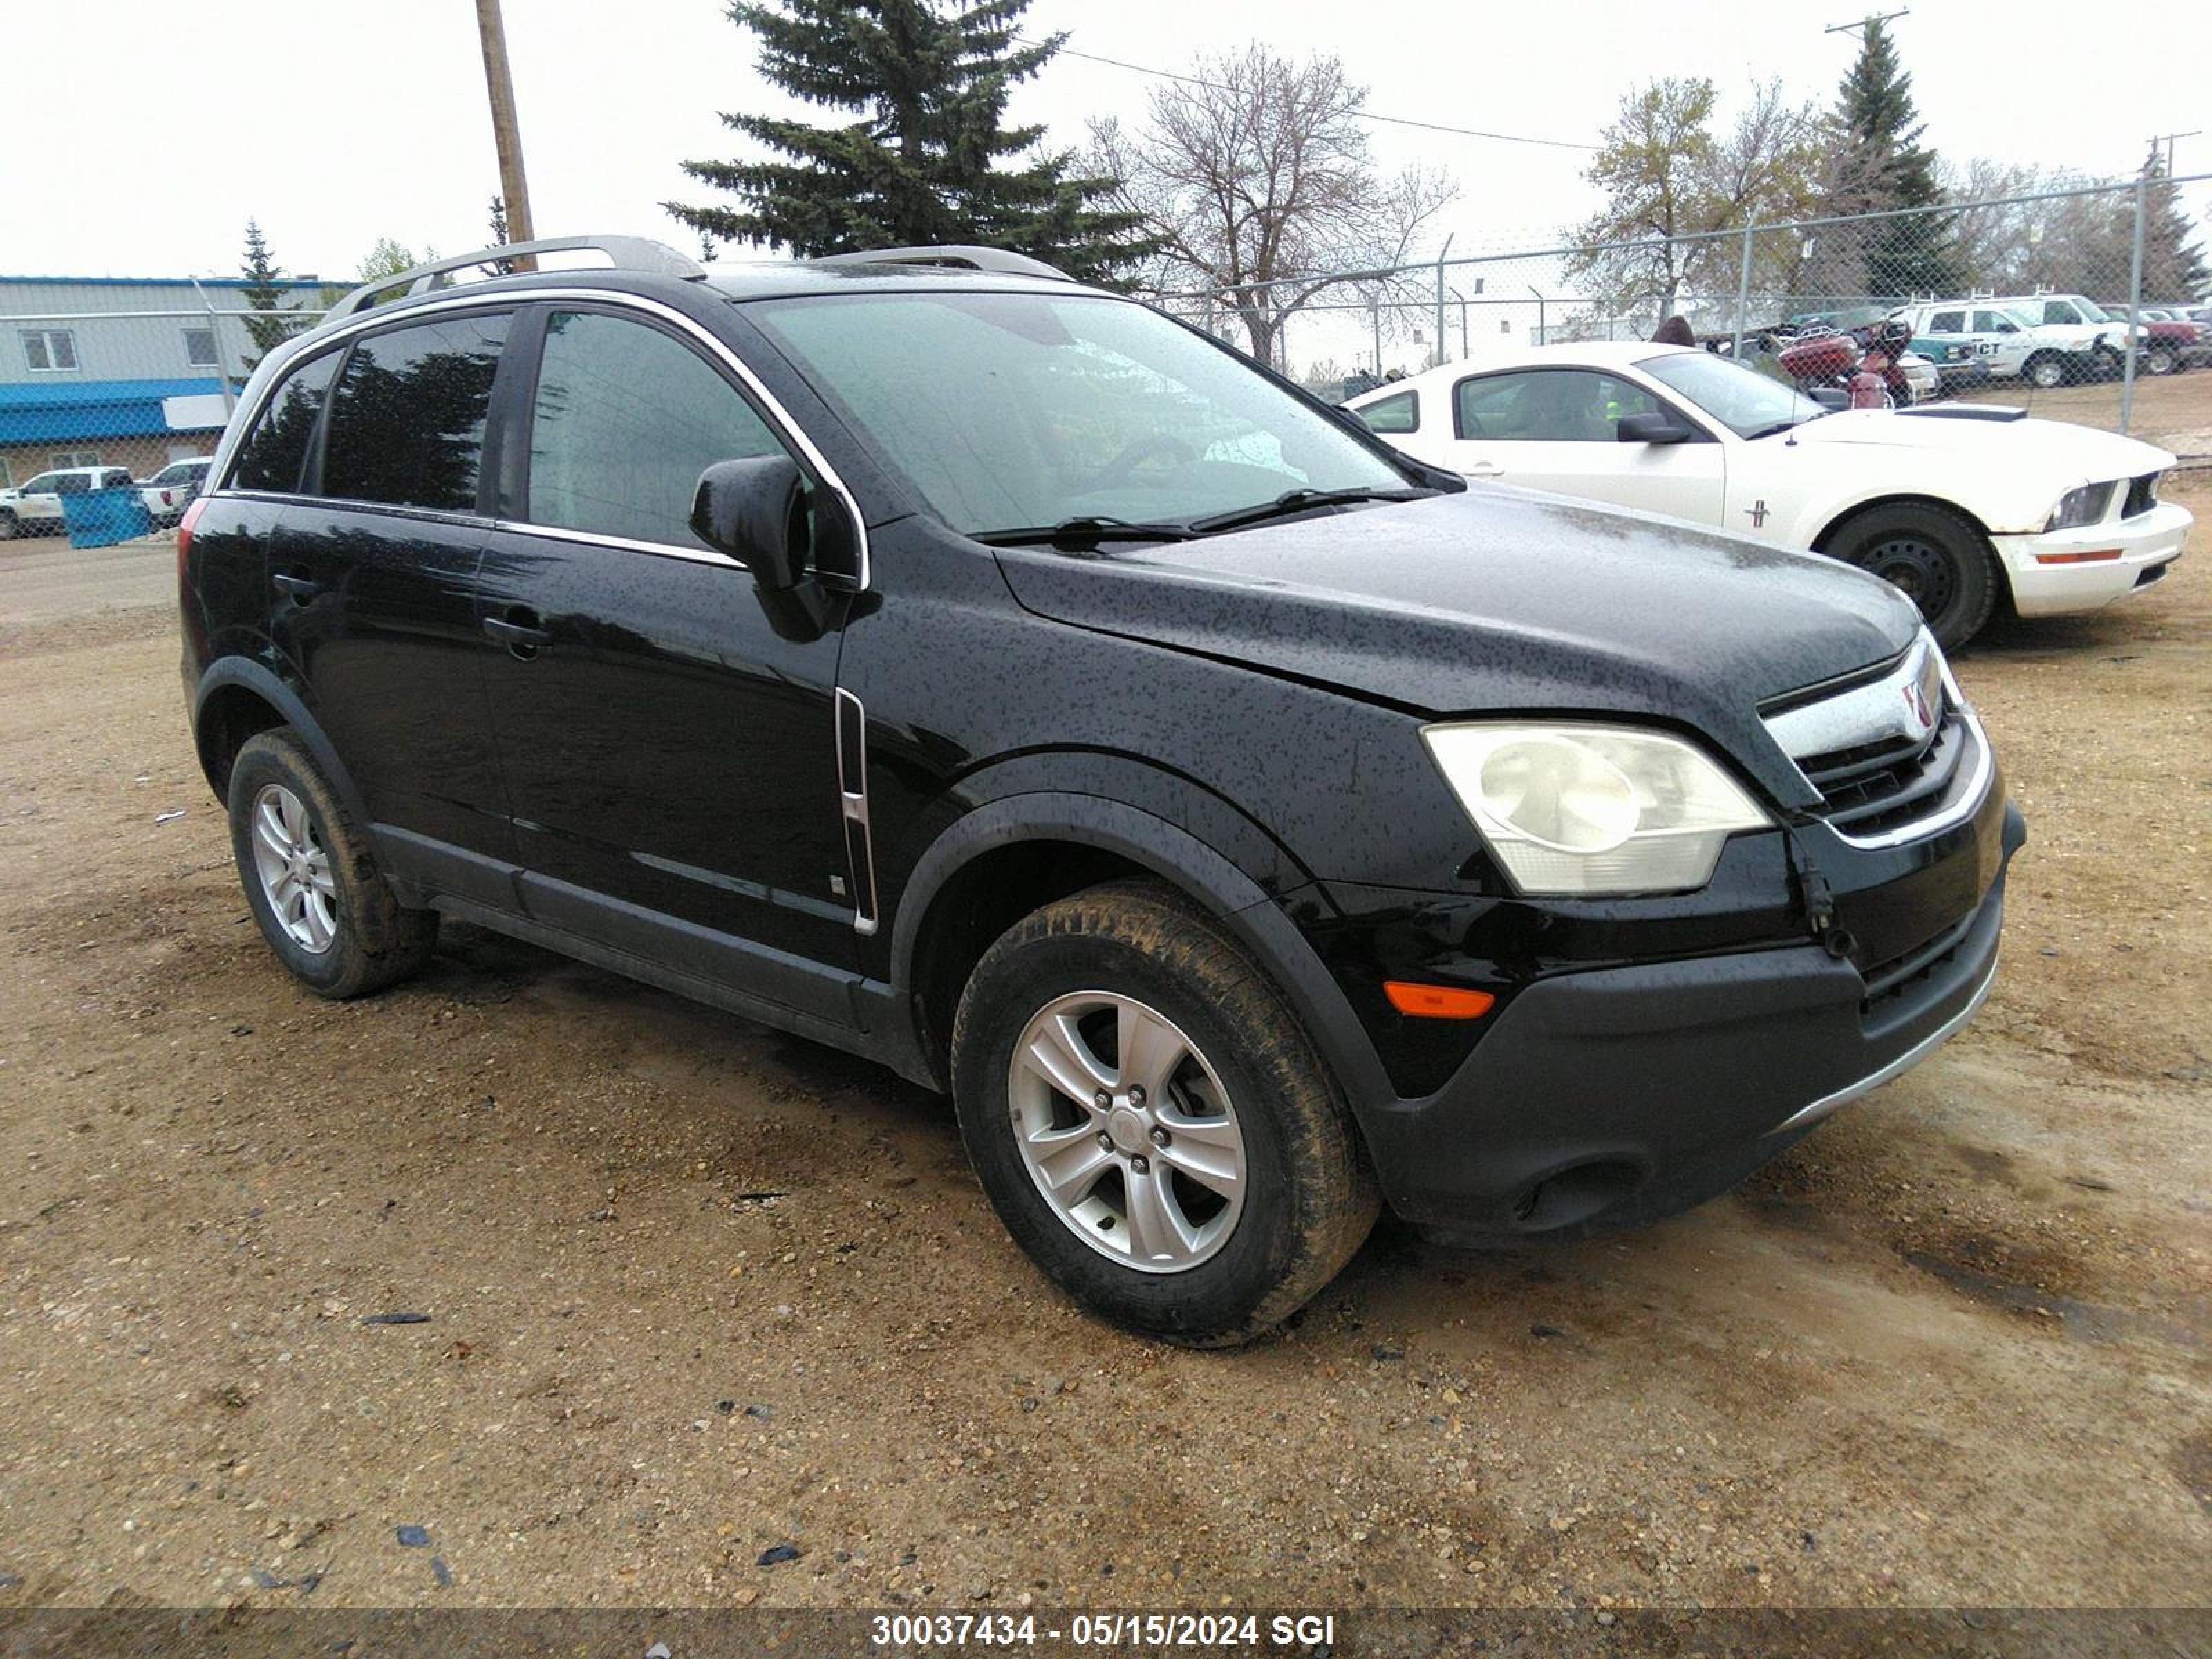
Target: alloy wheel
<point>1126,1130</point>
<point>295,869</point>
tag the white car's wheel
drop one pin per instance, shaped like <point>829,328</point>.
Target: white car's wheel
<point>1934,557</point>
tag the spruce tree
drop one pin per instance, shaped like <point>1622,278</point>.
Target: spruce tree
<point>2173,267</point>
<point>1884,166</point>
<point>927,159</point>
<point>263,292</point>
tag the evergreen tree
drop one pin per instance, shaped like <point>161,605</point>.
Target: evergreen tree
<point>2173,268</point>
<point>500,237</point>
<point>1883,165</point>
<point>263,292</point>
<point>928,161</point>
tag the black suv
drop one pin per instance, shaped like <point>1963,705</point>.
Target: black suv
<point>930,655</point>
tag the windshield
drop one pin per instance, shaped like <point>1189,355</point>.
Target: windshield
<point>1011,410</point>
<point>2091,311</point>
<point>1736,395</point>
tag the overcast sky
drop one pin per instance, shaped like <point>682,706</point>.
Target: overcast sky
<point>157,131</point>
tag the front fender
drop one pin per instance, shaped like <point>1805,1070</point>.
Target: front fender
<point>1235,897</point>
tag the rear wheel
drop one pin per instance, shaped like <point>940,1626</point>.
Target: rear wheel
<point>2046,371</point>
<point>311,878</point>
<point>1934,557</point>
<point>1151,1123</point>
<point>9,528</point>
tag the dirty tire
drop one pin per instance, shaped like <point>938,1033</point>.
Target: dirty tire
<point>1309,1197</point>
<point>378,941</point>
<point>1937,558</point>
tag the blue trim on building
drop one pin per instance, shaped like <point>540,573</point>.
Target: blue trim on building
<point>65,411</point>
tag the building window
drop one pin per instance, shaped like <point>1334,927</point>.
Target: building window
<point>75,457</point>
<point>200,348</point>
<point>49,350</point>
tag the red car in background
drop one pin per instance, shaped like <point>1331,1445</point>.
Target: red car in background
<point>2177,340</point>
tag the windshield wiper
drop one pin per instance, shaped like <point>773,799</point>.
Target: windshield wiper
<point>1298,501</point>
<point>1087,531</point>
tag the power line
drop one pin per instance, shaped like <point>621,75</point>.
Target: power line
<point>1360,114</point>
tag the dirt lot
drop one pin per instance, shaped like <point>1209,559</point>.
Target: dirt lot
<point>695,1291</point>
<point>2172,411</point>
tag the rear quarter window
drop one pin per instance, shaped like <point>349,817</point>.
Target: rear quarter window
<point>1387,415</point>
<point>275,449</point>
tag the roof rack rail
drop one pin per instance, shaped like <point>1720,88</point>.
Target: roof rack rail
<point>962,256</point>
<point>626,252</point>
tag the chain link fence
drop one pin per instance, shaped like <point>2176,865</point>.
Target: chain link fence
<point>109,384</point>
<point>2089,305</point>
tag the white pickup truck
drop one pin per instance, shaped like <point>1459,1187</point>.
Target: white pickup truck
<point>35,509</point>
<point>2047,340</point>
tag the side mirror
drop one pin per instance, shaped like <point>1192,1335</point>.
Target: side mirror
<point>755,510</point>
<point>1652,429</point>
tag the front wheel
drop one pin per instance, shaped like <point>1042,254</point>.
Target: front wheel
<point>2161,359</point>
<point>1151,1123</point>
<point>1934,557</point>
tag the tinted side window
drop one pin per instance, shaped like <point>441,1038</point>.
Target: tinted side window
<point>1400,413</point>
<point>276,447</point>
<point>1948,322</point>
<point>625,420</point>
<point>407,420</point>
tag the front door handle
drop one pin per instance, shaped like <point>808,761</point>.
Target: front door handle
<point>518,631</point>
<point>1484,470</point>
<point>302,588</point>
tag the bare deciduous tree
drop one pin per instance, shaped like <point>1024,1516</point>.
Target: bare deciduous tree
<point>1670,184</point>
<point>1254,175</point>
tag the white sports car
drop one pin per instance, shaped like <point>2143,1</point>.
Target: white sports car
<point>1955,504</point>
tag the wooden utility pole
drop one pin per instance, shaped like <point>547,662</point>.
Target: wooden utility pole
<point>514,188</point>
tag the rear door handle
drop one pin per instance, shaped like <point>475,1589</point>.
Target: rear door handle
<point>520,632</point>
<point>1484,470</point>
<point>302,588</point>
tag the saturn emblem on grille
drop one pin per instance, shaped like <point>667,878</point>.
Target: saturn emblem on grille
<point>1917,701</point>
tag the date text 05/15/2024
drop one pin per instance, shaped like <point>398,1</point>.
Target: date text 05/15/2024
<point>922,1631</point>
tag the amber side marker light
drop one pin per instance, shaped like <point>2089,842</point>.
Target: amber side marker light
<point>2097,557</point>
<point>1437,1001</point>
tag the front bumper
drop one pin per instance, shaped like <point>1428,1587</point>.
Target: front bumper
<point>1618,1094</point>
<point>2050,578</point>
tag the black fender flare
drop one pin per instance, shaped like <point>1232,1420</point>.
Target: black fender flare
<point>1256,917</point>
<point>262,682</point>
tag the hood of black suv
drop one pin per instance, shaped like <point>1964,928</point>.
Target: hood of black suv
<point>1497,601</point>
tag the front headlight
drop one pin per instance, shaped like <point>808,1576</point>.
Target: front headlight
<point>1573,809</point>
<point>2079,507</point>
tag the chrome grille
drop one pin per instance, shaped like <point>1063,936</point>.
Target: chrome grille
<point>1878,786</point>
<point>1894,754</point>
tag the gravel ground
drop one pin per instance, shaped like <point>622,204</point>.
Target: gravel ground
<point>693,1293</point>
